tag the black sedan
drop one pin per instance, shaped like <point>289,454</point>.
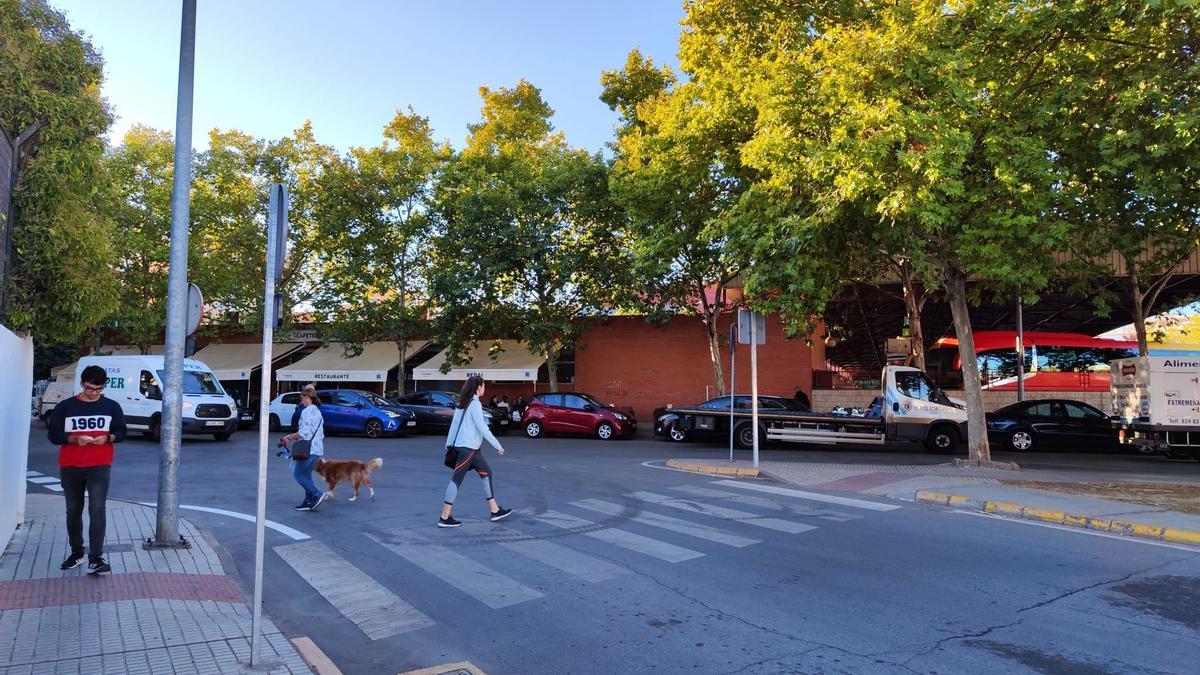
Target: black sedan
<point>1031,425</point>
<point>710,420</point>
<point>435,410</point>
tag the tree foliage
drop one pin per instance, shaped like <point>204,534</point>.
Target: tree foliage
<point>525,246</point>
<point>63,283</point>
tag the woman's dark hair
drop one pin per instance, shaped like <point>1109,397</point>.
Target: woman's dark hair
<point>94,375</point>
<point>468,390</point>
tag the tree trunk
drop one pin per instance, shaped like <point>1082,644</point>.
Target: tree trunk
<point>912,305</point>
<point>1137,308</point>
<point>402,345</point>
<point>714,350</point>
<point>956,293</point>
<point>552,368</point>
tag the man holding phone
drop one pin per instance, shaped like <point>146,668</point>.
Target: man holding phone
<point>85,427</point>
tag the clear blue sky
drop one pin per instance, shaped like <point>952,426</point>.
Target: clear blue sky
<point>264,66</point>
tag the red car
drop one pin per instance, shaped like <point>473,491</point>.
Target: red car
<point>574,413</point>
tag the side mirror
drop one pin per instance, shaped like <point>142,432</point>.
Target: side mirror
<point>153,393</point>
<point>589,407</point>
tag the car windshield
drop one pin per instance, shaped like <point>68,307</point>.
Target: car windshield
<point>375,399</point>
<point>197,382</point>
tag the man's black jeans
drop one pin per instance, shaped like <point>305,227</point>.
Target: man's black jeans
<point>75,480</point>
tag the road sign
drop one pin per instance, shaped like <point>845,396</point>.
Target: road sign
<point>195,309</point>
<point>747,334</point>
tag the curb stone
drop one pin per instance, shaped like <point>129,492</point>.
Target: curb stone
<point>741,472</point>
<point>1117,526</point>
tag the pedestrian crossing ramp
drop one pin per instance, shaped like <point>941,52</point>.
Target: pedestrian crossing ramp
<point>591,541</point>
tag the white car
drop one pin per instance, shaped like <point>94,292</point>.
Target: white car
<point>282,408</point>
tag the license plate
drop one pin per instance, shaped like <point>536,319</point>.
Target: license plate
<point>411,423</point>
<point>214,424</point>
<point>503,423</point>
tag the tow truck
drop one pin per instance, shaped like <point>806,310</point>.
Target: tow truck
<point>910,409</point>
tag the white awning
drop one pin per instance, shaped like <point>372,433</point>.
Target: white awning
<point>235,361</point>
<point>66,372</point>
<point>328,364</point>
<point>514,364</point>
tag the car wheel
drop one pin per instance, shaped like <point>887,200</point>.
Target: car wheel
<point>533,429</point>
<point>677,433</point>
<point>943,440</point>
<point>743,435</point>
<point>1021,440</point>
<point>374,428</point>
<point>605,431</point>
<point>274,423</point>
<point>1145,450</point>
<point>222,437</point>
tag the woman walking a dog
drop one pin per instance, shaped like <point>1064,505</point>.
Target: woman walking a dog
<point>311,429</point>
<point>468,430</point>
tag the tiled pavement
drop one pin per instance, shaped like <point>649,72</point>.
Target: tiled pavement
<point>159,612</point>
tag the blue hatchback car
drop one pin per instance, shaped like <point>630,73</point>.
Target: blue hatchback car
<point>362,412</point>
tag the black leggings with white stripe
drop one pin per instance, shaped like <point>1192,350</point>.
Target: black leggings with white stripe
<point>472,459</point>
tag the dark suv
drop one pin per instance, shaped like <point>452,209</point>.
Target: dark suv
<point>575,413</point>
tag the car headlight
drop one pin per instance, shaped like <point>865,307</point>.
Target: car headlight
<point>620,417</point>
<point>391,414</point>
<point>187,405</point>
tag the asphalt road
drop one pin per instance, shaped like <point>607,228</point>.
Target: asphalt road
<point>613,564</point>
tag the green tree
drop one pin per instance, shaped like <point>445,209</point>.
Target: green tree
<point>374,226</point>
<point>914,124</point>
<point>136,196</point>
<point>62,281</point>
<point>525,246</point>
<point>1124,117</point>
<point>677,177</point>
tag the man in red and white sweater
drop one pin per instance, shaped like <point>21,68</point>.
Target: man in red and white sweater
<point>86,427</point>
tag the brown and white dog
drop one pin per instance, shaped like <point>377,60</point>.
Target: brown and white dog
<point>342,470</point>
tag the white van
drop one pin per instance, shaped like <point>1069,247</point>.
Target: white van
<point>135,382</point>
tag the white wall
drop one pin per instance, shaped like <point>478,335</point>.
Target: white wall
<point>16,365</point>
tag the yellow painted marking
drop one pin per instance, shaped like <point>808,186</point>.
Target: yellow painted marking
<point>314,657</point>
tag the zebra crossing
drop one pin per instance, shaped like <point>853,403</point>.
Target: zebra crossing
<point>541,544</point>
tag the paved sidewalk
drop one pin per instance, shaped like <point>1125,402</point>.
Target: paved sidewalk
<point>170,611</point>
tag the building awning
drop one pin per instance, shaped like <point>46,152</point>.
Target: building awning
<point>66,372</point>
<point>235,361</point>
<point>514,364</point>
<point>329,363</point>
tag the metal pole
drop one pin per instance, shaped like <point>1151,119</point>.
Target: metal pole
<point>1020,349</point>
<point>754,381</point>
<point>167,532</point>
<point>264,413</point>
<point>732,380</point>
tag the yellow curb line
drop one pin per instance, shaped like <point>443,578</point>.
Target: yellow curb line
<point>713,469</point>
<point>314,657</point>
<point>1124,527</point>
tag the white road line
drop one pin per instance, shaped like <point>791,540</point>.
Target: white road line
<point>764,503</point>
<point>43,480</point>
<point>278,527</point>
<point>668,523</point>
<point>816,497</point>
<point>377,612</point>
<point>31,474</point>
<point>791,527</point>
<point>57,487</point>
<point>1077,530</point>
<point>479,581</point>
<point>563,558</point>
<point>627,540</point>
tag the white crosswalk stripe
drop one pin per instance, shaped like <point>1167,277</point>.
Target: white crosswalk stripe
<point>765,503</point>
<point>627,540</point>
<point>778,524</point>
<point>43,480</point>
<point>376,611</point>
<point>668,523</point>
<point>813,496</point>
<point>475,579</point>
<point>563,558</point>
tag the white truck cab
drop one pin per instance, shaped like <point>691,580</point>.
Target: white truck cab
<point>136,384</point>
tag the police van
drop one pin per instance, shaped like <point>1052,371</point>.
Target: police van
<point>136,384</point>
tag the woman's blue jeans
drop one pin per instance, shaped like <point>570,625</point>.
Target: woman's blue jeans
<point>302,471</point>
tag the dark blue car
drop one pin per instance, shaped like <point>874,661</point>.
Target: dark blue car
<point>1061,423</point>
<point>353,411</point>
